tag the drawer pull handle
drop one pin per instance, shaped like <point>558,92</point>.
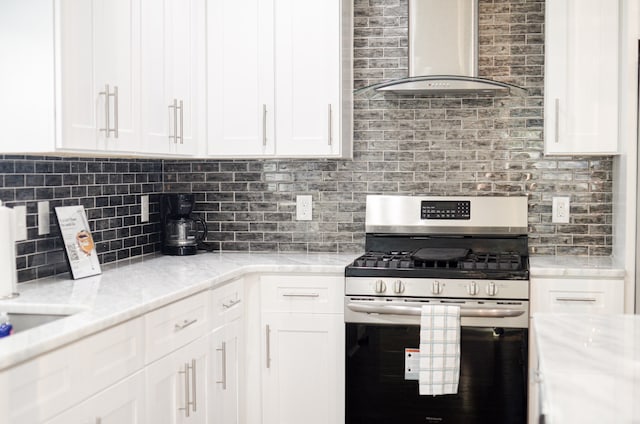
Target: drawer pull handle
<point>231,303</point>
<point>301,294</point>
<point>185,324</point>
<point>577,299</point>
<point>193,385</point>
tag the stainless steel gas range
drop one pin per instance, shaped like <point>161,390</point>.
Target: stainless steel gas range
<point>466,251</point>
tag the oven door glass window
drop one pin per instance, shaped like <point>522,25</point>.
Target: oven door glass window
<point>492,388</point>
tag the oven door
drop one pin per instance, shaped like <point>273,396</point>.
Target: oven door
<point>493,373</point>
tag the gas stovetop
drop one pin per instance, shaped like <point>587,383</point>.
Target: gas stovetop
<point>444,237</point>
<point>440,264</point>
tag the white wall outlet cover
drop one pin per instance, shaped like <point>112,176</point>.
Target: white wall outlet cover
<point>21,222</point>
<point>144,208</point>
<point>304,207</point>
<point>560,210</point>
<point>43,218</point>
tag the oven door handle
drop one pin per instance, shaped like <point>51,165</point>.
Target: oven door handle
<point>412,310</point>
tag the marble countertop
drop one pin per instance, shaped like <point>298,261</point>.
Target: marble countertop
<point>589,367</point>
<point>574,266</point>
<point>126,290</point>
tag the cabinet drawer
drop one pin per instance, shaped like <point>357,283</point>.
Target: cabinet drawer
<point>175,325</point>
<point>577,295</point>
<point>45,386</point>
<point>227,303</point>
<point>302,293</point>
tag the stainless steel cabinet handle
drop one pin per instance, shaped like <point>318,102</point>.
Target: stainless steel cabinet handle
<point>330,138</point>
<point>193,385</point>
<point>268,343</point>
<point>577,299</point>
<point>181,123</point>
<point>231,303</point>
<point>115,111</point>
<point>184,324</point>
<point>264,125</point>
<point>223,349</point>
<point>412,310</point>
<point>186,390</point>
<point>557,135</point>
<point>98,420</point>
<point>105,93</point>
<point>174,107</point>
<point>301,294</point>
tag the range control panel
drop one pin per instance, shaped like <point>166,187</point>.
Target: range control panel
<point>445,209</point>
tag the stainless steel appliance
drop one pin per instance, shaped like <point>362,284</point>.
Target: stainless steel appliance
<point>180,232</point>
<point>466,251</point>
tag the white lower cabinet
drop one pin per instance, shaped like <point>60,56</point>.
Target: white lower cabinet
<point>302,326</point>
<point>176,386</point>
<point>550,294</point>
<point>226,374</point>
<point>226,355</point>
<point>304,368</point>
<point>122,403</point>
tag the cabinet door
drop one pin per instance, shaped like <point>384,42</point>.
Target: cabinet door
<point>176,386</point>
<point>27,113</point>
<point>303,378</point>
<point>308,59</point>
<point>226,372</point>
<point>172,68</point>
<point>99,75</point>
<point>240,77</point>
<point>123,403</point>
<point>581,77</point>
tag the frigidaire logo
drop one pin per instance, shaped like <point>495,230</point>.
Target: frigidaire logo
<point>433,419</point>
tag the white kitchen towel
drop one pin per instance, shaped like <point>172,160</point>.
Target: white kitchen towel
<point>439,371</point>
<point>8,275</point>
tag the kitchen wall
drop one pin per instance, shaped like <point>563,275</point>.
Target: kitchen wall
<point>109,189</point>
<point>451,145</point>
<point>432,145</point>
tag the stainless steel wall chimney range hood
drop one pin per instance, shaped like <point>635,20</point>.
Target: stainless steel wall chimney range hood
<point>443,52</point>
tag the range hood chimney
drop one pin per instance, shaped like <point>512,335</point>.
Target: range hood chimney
<point>443,52</point>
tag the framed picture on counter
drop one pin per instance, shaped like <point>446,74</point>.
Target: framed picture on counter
<point>78,242</point>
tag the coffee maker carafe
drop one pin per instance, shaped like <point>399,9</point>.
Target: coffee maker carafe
<point>180,234</point>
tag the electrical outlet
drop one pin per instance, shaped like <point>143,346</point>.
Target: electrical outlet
<point>144,208</point>
<point>43,218</point>
<point>304,207</point>
<point>560,210</point>
<point>21,222</point>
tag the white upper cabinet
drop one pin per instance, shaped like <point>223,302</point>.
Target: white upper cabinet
<point>240,77</point>
<point>280,80</point>
<point>99,75</point>
<point>308,77</point>
<point>27,114</point>
<point>173,76</point>
<point>581,77</point>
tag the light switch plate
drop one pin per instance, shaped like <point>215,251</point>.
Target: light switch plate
<point>560,210</point>
<point>144,208</point>
<point>304,207</point>
<point>43,218</point>
<point>20,213</point>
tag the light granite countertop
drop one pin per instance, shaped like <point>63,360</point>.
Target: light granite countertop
<point>126,290</point>
<point>589,367</point>
<point>574,266</point>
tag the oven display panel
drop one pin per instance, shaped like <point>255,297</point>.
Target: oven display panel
<point>440,209</point>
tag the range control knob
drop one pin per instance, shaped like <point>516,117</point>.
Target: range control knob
<point>398,287</point>
<point>380,287</point>
<point>472,288</point>
<point>492,289</point>
<point>436,287</point>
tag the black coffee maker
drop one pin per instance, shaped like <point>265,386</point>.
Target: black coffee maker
<point>180,233</point>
